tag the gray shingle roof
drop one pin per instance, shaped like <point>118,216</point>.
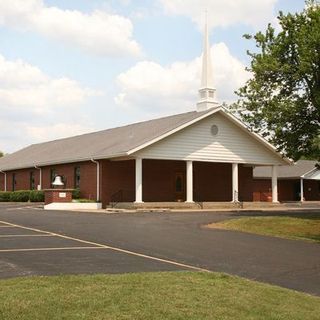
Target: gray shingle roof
<point>300,168</point>
<point>98,145</point>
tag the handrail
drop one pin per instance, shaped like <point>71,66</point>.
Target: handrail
<point>116,198</point>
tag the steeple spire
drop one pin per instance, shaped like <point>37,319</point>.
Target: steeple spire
<point>207,91</point>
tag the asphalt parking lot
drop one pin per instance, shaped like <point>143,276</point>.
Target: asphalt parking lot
<point>38,242</point>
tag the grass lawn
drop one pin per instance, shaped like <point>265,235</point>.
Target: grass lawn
<point>168,295</point>
<point>299,227</point>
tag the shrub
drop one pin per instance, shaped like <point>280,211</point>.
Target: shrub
<point>5,196</point>
<point>36,196</point>
<point>20,196</point>
<point>76,194</point>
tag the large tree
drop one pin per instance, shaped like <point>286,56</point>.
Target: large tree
<point>282,98</point>
<point>1,154</point>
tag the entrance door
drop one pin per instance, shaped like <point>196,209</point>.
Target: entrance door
<point>179,186</point>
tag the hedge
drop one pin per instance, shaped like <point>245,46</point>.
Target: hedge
<point>22,196</point>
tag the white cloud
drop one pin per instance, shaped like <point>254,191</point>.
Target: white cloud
<point>223,13</point>
<point>25,86</point>
<point>35,106</point>
<point>153,89</point>
<point>98,32</point>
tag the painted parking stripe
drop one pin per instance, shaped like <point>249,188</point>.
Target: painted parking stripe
<point>48,249</point>
<point>25,235</point>
<point>132,253</point>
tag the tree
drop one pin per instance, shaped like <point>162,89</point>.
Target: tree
<point>1,154</point>
<point>282,98</point>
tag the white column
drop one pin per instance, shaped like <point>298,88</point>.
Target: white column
<point>274,184</point>
<point>235,183</point>
<point>138,180</point>
<point>301,190</point>
<point>189,181</point>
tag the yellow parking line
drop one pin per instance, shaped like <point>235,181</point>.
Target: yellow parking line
<point>132,253</point>
<point>48,249</point>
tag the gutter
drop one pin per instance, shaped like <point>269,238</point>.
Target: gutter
<point>5,180</point>
<point>40,177</point>
<point>98,178</point>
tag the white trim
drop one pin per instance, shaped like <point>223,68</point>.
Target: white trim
<point>189,170</point>
<point>274,184</point>
<point>227,115</point>
<point>138,163</point>
<point>73,206</point>
<point>301,190</point>
<point>40,177</point>
<point>307,173</point>
<point>235,183</point>
<point>267,144</point>
<point>169,133</point>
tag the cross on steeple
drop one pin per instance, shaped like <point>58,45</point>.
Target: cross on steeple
<point>207,91</point>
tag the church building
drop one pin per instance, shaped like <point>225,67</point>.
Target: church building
<point>206,155</point>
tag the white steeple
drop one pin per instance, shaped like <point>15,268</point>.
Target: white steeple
<point>207,91</point>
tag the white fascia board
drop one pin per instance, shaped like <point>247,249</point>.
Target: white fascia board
<point>256,136</point>
<point>305,175</point>
<point>169,133</point>
<point>57,162</point>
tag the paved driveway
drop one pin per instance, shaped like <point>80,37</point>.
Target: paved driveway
<point>33,241</point>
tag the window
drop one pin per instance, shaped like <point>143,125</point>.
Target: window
<point>52,176</point>
<point>32,181</point>
<point>77,177</point>
<point>14,182</point>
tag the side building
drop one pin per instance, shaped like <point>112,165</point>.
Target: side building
<point>300,182</point>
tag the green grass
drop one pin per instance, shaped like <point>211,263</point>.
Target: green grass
<point>299,227</point>
<point>168,295</point>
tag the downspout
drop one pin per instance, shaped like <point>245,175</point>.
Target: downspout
<point>5,180</point>
<point>40,176</point>
<point>98,178</point>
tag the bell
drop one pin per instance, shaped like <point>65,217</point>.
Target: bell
<point>57,181</point>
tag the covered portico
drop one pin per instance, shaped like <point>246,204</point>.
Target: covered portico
<point>189,181</point>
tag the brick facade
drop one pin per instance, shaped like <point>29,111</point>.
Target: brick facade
<point>288,190</point>
<point>117,181</point>
<point>88,178</point>
<point>212,181</point>
<point>1,181</point>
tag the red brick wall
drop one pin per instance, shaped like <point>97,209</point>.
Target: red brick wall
<point>88,184</point>
<point>311,190</point>
<point>245,183</point>
<point>88,177</point>
<point>212,181</point>
<point>1,182</point>
<point>116,176</point>
<point>22,178</point>
<point>158,180</point>
<point>55,196</point>
<point>261,190</point>
<point>288,190</point>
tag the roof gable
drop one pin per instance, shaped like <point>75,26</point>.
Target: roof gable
<point>233,143</point>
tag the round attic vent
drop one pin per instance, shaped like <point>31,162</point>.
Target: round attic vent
<point>214,130</point>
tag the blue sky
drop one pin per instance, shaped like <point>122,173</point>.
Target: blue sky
<point>69,67</point>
